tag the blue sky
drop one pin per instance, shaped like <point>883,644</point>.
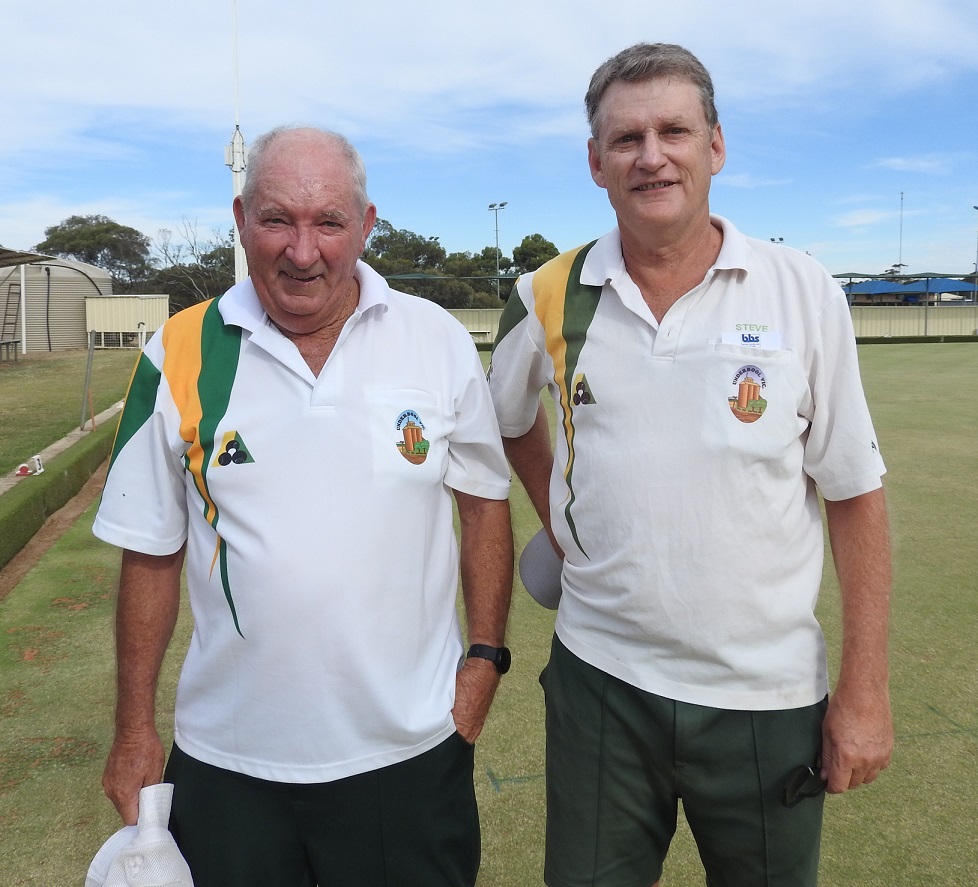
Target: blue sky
<point>851,125</point>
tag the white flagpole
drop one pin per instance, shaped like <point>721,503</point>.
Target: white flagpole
<point>236,154</point>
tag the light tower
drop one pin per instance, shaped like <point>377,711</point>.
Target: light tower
<point>494,208</point>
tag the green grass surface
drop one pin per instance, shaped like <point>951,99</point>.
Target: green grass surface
<point>915,824</point>
<point>41,397</point>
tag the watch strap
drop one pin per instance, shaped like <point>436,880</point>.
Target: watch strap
<point>498,656</point>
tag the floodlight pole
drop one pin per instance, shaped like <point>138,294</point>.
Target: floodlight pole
<point>494,208</point>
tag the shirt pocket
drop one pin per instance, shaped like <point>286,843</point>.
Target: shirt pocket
<point>409,430</point>
<point>756,409</point>
<point>749,354</point>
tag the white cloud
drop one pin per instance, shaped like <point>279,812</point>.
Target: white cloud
<point>748,180</point>
<point>929,165</point>
<point>125,109</point>
<point>407,65</point>
<point>862,218</point>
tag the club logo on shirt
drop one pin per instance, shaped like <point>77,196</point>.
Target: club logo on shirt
<point>747,402</point>
<point>232,451</point>
<point>413,446</point>
<point>582,391</point>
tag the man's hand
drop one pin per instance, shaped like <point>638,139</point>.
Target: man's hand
<point>857,739</point>
<point>857,733</point>
<point>135,760</point>
<point>146,612</point>
<point>486,560</point>
<point>475,686</point>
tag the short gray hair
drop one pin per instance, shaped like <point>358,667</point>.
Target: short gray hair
<point>259,149</point>
<point>645,61</point>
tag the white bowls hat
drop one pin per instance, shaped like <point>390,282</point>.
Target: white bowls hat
<point>540,569</point>
<point>145,854</point>
<point>98,871</point>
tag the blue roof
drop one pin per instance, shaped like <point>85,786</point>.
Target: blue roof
<point>939,285</point>
<point>892,287</point>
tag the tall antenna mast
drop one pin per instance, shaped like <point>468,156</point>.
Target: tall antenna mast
<point>900,252</point>
<point>236,154</point>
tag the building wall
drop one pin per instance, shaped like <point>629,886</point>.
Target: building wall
<point>915,320</point>
<point>482,323</point>
<point>125,321</point>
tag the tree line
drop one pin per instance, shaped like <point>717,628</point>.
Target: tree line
<point>191,266</point>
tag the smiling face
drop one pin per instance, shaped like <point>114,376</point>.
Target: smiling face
<point>655,154</point>
<point>303,230</point>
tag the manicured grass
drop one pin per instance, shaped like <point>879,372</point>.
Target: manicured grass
<point>915,824</point>
<point>41,397</point>
<point>56,708</point>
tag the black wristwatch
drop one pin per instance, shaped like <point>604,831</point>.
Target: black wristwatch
<point>498,656</point>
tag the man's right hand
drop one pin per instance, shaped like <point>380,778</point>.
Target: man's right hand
<point>135,760</point>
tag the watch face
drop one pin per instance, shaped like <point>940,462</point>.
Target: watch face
<point>504,660</point>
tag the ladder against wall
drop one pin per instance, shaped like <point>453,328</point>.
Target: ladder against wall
<point>11,313</point>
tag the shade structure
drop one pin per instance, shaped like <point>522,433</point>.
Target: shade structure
<point>10,257</point>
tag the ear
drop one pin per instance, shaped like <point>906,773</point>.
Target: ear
<point>239,215</point>
<point>594,163</point>
<point>369,220</point>
<point>718,148</point>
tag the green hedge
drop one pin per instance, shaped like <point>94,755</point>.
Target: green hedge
<point>29,503</point>
<point>913,340</point>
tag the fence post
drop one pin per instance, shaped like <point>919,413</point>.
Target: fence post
<point>86,400</point>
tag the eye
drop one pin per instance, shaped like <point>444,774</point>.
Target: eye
<point>626,138</point>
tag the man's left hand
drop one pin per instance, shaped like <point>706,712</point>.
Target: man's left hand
<point>857,738</point>
<point>475,686</point>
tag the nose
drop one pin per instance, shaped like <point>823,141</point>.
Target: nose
<point>650,155</point>
<point>303,251</point>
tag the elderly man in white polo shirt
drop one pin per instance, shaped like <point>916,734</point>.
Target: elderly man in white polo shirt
<point>299,442</point>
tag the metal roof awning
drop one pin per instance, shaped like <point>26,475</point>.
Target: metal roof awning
<point>9,257</point>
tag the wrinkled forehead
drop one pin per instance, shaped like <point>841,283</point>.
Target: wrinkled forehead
<point>664,98</point>
<point>314,181</point>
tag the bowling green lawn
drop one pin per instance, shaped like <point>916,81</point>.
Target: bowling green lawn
<point>917,823</point>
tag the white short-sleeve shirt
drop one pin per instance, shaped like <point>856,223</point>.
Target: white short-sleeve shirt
<point>322,563</point>
<point>688,453</point>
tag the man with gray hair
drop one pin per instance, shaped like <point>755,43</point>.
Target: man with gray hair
<point>707,390</point>
<point>298,443</point>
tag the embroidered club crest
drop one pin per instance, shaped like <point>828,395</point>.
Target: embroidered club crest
<point>413,445</point>
<point>747,402</point>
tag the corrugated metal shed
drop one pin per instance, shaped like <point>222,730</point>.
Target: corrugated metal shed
<point>43,303</point>
<point>482,323</point>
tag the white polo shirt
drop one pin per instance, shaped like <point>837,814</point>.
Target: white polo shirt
<point>687,459</point>
<point>322,563</point>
